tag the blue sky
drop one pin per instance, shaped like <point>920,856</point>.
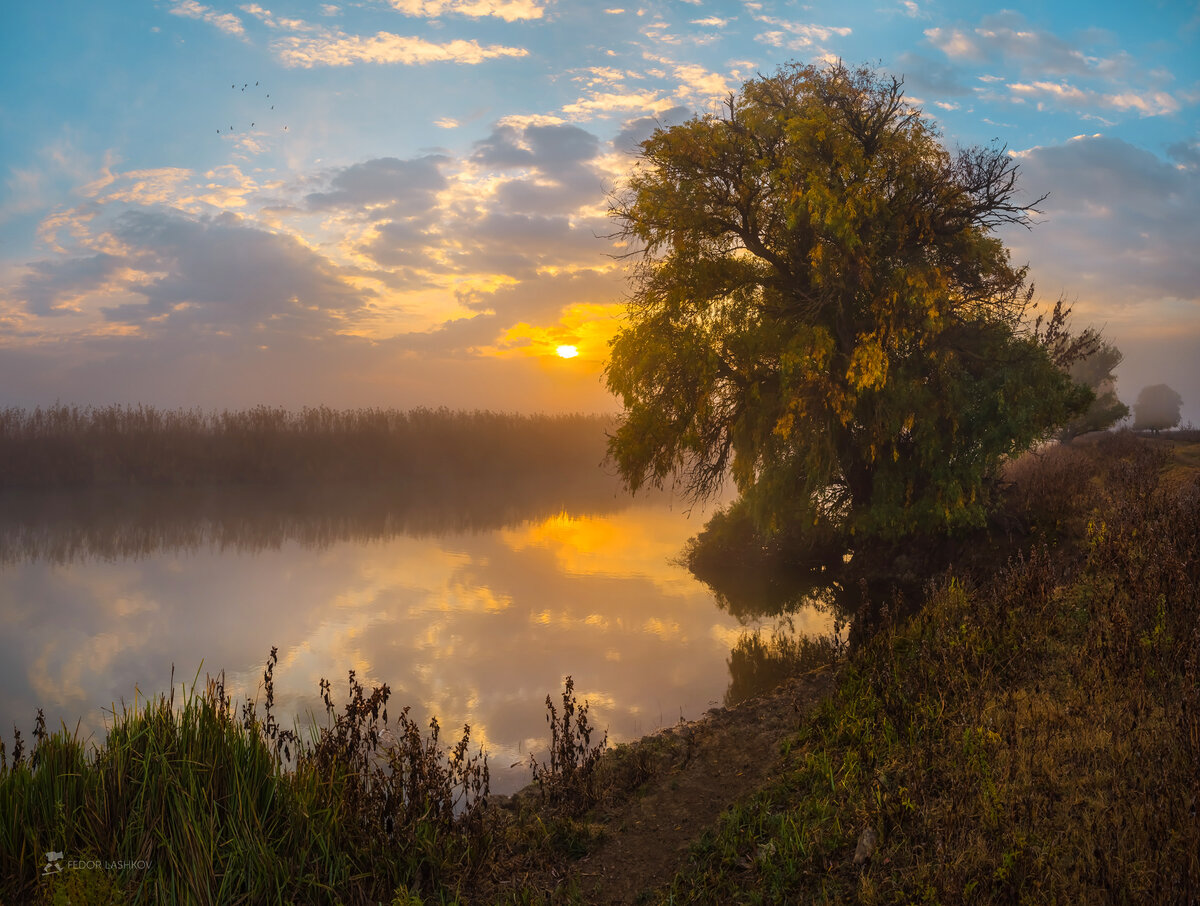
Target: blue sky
<point>402,202</point>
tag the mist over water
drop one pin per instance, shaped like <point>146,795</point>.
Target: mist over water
<point>472,602</point>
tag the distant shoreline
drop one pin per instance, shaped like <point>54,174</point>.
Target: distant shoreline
<point>69,447</point>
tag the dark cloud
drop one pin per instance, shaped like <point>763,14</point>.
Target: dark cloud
<point>223,273</point>
<point>585,187</point>
<point>1118,239</point>
<point>503,149</point>
<point>930,77</point>
<point>558,148</point>
<point>636,131</point>
<point>556,151</point>
<point>50,283</point>
<point>401,187</point>
<point>527,222</point>
<point>1187,154</point>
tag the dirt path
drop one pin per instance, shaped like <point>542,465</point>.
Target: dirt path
<point>729,753</point>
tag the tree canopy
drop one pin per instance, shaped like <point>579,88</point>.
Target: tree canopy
<point>820,306</point>
<point>1097,371</point>
<point>1157,407</point>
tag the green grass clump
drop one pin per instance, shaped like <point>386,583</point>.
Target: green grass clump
<point>1030,738</point>
<point>196,804</point>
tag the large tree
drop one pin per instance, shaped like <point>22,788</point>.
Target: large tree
<point>820,305</point>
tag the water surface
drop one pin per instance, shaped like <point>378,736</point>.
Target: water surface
<point>472,611</point>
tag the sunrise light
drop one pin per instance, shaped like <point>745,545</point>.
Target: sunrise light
<point>567,352</point>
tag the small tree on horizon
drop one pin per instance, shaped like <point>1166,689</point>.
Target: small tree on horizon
<point>821,308</point>
<point>1157,407</point>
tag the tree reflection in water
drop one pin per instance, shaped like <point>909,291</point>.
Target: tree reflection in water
<point>129,523</point>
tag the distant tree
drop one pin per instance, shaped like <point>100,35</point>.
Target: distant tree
<point>820,306</point>
<point>1157,407</point>
<point>1097,372</point>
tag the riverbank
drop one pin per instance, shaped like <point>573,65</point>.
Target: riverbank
<point>1029,735</point>
<point>993,746</point>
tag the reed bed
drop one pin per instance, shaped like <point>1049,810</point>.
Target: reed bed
<point>72,447</point>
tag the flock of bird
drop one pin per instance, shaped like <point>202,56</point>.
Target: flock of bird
<point>245,85</point>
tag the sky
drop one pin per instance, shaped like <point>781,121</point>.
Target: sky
<point>404,202</point>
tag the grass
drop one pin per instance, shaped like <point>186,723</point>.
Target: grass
<point>1032,738</point>
<point>198,804</point>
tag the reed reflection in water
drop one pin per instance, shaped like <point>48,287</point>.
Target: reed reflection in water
<point>472,614</point>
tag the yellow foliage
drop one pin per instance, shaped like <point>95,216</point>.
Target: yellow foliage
<point>868,364</point>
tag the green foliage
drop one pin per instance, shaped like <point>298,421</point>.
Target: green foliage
<point>821,308</point>
<point>193,804</point>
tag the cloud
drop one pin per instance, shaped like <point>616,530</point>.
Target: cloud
<point>1006,36</point>
<point>554,148</point>
<point>1186,154</point>
<point>340,49</point>
<point>271,21</point>
<point>508,10</point>
<point>170,272</point>
<point>1120,221</point>
<point>797,35</point>
<point>636,131</point>
<point>700,85</point>
<point>224,273</point>
<point>51,289</point>
<point>1049,70</point>
<point>600,103</point>
<point>226,22</point>
<point>931,77</point>
<point>1118,239</point>
<point>1154,103</point>
<point>383,187</point>
<point>353,285</point>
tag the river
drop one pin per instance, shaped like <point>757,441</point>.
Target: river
<point>472,612</point>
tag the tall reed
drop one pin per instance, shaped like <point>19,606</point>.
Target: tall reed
<point>69,446</point>
<point>192,802</point>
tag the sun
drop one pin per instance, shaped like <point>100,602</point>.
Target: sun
<point>567,352</point>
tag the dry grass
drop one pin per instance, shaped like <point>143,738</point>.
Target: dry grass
<point>1030,736</point>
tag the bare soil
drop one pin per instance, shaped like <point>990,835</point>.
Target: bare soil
<point>725,755</point>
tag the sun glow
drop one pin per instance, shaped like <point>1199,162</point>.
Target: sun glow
<point>567,352</point>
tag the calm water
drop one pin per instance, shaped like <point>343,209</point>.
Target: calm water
<point>471,612</point>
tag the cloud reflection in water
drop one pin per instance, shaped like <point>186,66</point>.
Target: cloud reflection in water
<point>474,621</point>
